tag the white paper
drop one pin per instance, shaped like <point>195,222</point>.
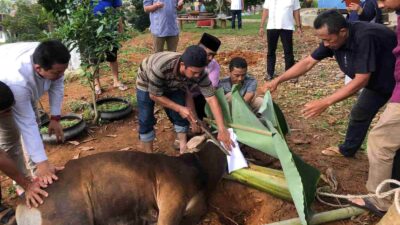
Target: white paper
<point>236,160</point>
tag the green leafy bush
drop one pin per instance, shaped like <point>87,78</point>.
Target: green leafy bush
<point>137,17</point>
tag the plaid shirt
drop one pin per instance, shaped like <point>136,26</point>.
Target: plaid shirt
<point>159,73</point>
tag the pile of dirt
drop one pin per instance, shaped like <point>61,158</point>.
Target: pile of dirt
<point>252,58</point>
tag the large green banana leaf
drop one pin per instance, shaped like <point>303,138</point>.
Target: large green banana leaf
<point>302,178</point>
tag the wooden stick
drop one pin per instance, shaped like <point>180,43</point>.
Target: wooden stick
<point>241,127</point>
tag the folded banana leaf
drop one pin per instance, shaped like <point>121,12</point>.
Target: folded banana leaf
<point>302,178</point>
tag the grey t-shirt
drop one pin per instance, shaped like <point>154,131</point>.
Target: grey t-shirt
<point>249,85</point>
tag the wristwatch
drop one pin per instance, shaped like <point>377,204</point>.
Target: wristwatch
<point>56,117</point>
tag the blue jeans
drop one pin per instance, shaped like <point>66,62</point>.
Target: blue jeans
<point>146,114</point>
<point>238,14</point>
<point>367,106</point>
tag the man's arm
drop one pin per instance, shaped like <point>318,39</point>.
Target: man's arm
<point>185,112</point>
<point>315,108</point>
<point>150,6</point>
<point>296,15</point>
<point>56,95</point>
<point>262,23</point>
<point>248,97</point>
<point>33,193</point>
<point>223,133</point>
<point>297,70</point>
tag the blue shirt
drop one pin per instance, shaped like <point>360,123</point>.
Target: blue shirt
<point>103,4</point>
<point>249,85</point>
<point>163,21</point>
<point>371,12</point>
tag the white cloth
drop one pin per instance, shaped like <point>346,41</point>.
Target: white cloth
<point>27,86</point>
<point>236,5</point>
<point>236,159</point>
<point>280,13</point>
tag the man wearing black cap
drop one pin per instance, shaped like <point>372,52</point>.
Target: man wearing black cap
<point>211,45</point>
<point>165,78</point>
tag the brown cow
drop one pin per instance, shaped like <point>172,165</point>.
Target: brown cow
<point>130,188</point>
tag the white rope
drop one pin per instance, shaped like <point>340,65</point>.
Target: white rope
<point>378,194</point>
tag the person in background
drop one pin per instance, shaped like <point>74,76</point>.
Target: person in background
<point>111,56</point>
<point>364,52</point>
<point>30,69</point>
<point>165,78</point>
<point>237,6</point>
<point>383,140</point>
<point>163,25</point>
<point>248,85</point>
<point>281,15</point>
<point>367,10</point>
<point>11,157</point>
<point>211,45</point>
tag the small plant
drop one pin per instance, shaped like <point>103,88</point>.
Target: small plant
<point>65,123</point>
<point>111,106</point>
<point>78,106</point>
<point>132,99</point>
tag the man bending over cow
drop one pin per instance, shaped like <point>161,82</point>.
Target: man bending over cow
<point>10,158</point>
<point>165,78</point>
<point>248,85</point>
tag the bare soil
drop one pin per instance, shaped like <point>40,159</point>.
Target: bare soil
<point>234,203</point>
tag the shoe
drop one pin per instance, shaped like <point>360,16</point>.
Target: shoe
<point>368,206</point>
<point>121,86</point>
<point>332,151</point>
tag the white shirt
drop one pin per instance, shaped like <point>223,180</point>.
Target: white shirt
<point>236,5</point>
<point>27,86</point>
<point>280,13</point>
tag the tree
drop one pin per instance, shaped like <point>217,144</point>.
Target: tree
<point>30,22</point>
<point>137,17</point>
<point>5,6</point>
<point>93,35</point>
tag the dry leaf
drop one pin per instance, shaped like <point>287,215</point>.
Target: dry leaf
<point>87,140</point>
<point>111,135</point>
<point>125,149</point>
<point>77,155</point>
<point>74,143</point>
<point>86,148</point>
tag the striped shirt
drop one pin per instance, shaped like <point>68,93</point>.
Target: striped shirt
<point>159,73</point>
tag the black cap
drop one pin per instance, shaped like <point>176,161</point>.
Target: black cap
<point>211,42</point>
<point>6,96</point>
<point>194,55</point>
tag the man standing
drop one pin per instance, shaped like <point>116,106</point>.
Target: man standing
<point>281,15</point>
<point>383,140</point>
<point>363,52</point>
<point>163,24</point>
<point>211,45</point>
<point>30,69</point>
<point>367,10</point>
<point>237,7</point>
<point>111,56</point>
<point>165,78</point>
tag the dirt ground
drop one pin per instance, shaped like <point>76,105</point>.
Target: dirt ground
<point>233,203</point>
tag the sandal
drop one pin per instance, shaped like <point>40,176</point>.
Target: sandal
<point>332,151</point>
<point>121,86</point>
<point>369,206</point>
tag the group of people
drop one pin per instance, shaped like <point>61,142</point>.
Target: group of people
<point>183,82</point>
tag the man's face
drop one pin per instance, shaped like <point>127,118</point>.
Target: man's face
<point>54,73</point>
<point>389,4</point>
<point>332,41</point>
<point>210,54</point>
<point>237,75</point>
<point>191,72</point>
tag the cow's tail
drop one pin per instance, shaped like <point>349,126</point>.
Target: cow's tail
<point>26,216</point>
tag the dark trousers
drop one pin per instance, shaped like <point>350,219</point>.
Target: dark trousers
<point>368,104</point>
<point>237,13</point>
<point>200,103</point>
<point>287,42</point>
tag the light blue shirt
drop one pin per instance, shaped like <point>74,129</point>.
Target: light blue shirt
<point>249,85</point>
<point>163,21</point>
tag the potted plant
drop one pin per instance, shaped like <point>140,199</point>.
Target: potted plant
<point>72,124</point>
<point>113,108</point>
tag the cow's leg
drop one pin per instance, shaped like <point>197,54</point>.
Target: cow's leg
<point>171,205</point>
<point>195,210</point>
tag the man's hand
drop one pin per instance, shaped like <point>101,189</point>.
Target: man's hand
<point>354,7</point>
<point>34,194</point>
<point>56,128</point>
<point>195,128</point>
<point>299,31</point>
<point>158,5</point>
<point>315,108</point>
<point>180,5</point>
<point>186,113</point>
<point>261,32</point>
<point>270,86</point>
<point>46,172</point>
<point>225,137</point>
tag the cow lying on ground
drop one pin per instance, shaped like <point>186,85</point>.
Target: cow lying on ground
<point>130,188</point>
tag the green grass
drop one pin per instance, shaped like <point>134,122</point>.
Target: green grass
<point>253,16</point>
<point>64,123</point>
<point>249,28</point>
<point>111,106</point>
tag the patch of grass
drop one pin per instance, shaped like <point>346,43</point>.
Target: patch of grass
<point>77,106</point>
<point>135,49</point>
<point>249,28</point>
<point>131,99</point>
<point>111,106</point>
<point>253,16</point>
<point>65,123</point>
